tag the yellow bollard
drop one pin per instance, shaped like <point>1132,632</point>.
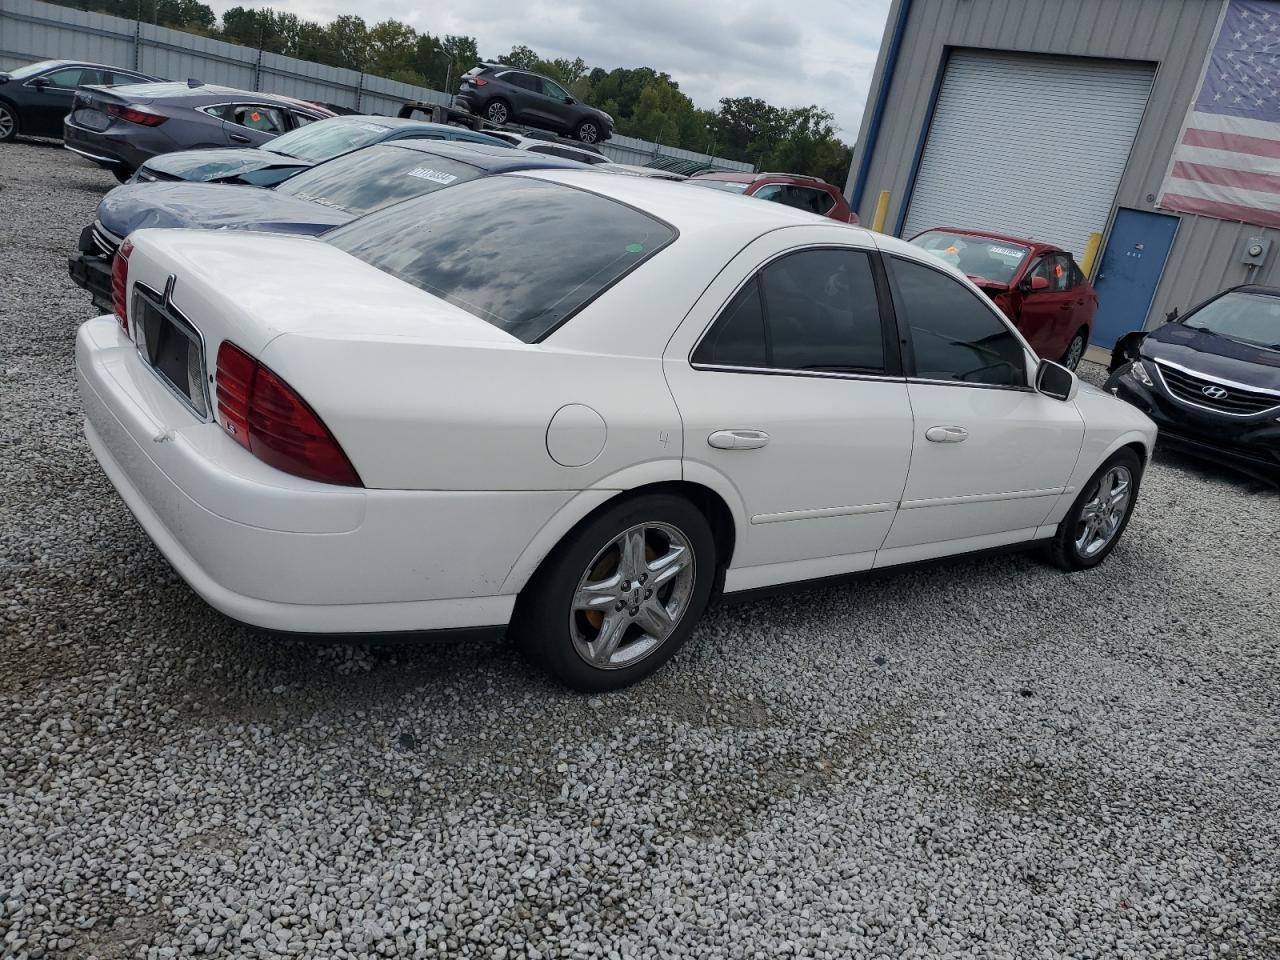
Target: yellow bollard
<point>882,212</point>
<point>1090,253</point>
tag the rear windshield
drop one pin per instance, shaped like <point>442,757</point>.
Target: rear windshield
<point>728,186</point>
<point>522,254</point>
<point>980,257</point>
<point>328,138</point>
<point>376,176</point>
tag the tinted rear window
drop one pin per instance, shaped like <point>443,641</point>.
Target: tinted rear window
<point>522,254</point>
<point>376,176</point>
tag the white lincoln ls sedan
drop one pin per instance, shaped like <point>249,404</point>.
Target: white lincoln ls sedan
<point>577,406</point>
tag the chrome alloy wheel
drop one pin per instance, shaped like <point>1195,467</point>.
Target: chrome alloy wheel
<point>632,595</point>
<point>7,123</point>
<point>588,133</point>
<point>497,112</point>
<point>1102,514</point>
<point>1075,353</point>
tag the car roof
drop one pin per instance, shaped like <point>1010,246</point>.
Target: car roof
<point>1038,246</point>
<point>746,176</point>
<point>491,159</point>
<point>687,209</point>
<point>210,93</point>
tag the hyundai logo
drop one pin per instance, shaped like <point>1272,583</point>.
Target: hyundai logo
<point>1214,393</point>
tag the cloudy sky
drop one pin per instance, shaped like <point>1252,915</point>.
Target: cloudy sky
<point>820,52</point>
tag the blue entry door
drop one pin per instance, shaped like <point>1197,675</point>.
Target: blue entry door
<point>1130,272</point>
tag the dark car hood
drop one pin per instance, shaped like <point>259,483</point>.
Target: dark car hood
<point>1214,355</point>
<point>206,165</point>
<point>212,206</point>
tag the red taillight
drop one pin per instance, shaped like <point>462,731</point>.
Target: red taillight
<point>478,81</point>
<point>136,115</point>
<point>264,415</point>
<point>120,283</point>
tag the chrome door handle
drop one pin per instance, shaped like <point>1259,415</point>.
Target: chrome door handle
<point>738,439</point>
<point>239,138</point>
<point>947,434</point>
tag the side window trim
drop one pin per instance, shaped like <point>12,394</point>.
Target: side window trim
<point>894,358</point>
<point>908,349</point>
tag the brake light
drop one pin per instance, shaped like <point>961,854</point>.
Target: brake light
<point>136,115</point>
<point>478,81</point>
<point>120,283</point>
<point>265,416</point>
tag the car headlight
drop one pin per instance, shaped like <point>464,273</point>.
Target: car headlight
<point>1139,373</point>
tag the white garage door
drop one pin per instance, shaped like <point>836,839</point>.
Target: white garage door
<point>1026,145</point>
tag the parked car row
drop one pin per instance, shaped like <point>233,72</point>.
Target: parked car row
<point>34,99</point>
<point>519,392</point>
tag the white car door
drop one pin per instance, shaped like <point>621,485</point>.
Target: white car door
<point>991,456</point>
<point>789,384</point>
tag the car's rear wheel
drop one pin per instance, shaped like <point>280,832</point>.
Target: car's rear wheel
<point>498,111</point>
<point>620,594</point>
<point>8,122</point>
<point>1075,349</point>
<point>1095,522</point>
<point>588,131</point>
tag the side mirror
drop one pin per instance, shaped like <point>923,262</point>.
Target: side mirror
<point>569,100</point>
<point>1171,316</point>
<point>40,82</point>
<point>1036,284</point>
<point>1056,381</point>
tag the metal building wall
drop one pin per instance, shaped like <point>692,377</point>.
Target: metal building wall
<point>1174,34</point>
<point>31,30</point>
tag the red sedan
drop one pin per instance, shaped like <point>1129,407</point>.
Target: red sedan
<point>1037,285</point>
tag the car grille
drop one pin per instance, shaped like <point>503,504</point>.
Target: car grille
<point>1221,397</point>
<point>106,243</point>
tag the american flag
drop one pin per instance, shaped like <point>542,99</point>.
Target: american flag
<point>1227,161</point>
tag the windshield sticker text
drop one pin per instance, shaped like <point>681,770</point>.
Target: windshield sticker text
<point>435,176</point>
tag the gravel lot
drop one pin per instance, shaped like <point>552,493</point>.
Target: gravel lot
<point>981,759</point>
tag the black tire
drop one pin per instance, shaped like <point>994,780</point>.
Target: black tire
<point>546,622</point>
<point>1072,357</point>
<point>121,173</point>
<point>1063,550</point>
<point>588,131</point>
<point>497,111</point>
<point>9,126</point>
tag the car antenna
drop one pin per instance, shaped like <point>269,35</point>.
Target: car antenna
<point>193,83</point>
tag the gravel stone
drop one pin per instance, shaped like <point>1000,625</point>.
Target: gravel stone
<point>983,759</point>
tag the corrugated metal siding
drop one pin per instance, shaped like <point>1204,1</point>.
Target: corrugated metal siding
<point>1174,34</point>
<point>1047,163</point>
<point>31,30</point>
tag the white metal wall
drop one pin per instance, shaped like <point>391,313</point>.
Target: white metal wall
<point>31,30</point>
<point>1033,146</point>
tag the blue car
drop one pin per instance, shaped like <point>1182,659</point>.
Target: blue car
<point>320,198</point>
<point>281,158</point>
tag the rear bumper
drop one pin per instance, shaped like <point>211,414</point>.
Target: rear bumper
<point>108,148</point>
<point>1249,442</point>
<point>287,554</point>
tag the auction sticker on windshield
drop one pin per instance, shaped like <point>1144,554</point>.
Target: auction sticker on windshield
<point>435,176</point>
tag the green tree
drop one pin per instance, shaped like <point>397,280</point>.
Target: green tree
<point>392,50</point>
<point>350,39</point>
<point>521,56</point>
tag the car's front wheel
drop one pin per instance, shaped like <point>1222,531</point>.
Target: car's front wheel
<point>620,594</point>
<point>1093,525</point>
<point>497,112</point>
<point>8,122</point>
<point>588,131</point>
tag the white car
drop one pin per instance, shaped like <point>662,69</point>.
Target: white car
<point>578,406</point>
